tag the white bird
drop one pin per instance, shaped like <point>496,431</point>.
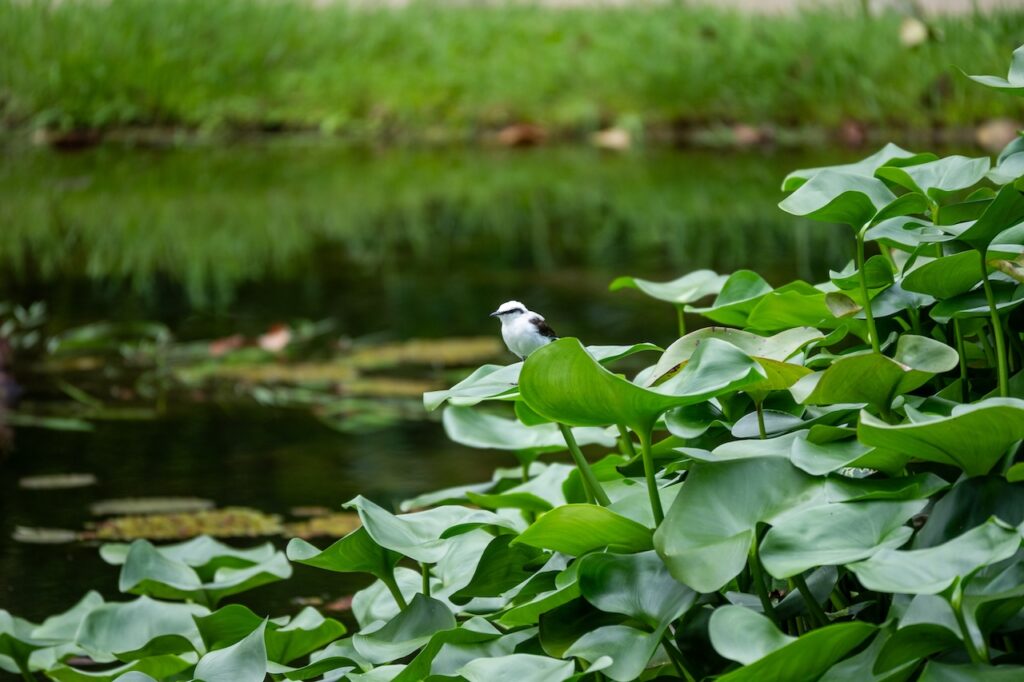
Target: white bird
<point>523,330</point>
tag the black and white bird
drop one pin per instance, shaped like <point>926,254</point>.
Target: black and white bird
<point>523,330</point>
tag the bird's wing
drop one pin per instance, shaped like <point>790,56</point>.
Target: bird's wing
<point>542,327</point>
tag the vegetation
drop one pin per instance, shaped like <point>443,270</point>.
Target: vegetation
<point>828,488</point>
<point>439,70</point>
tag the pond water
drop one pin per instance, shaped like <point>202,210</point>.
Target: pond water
<point>390,245</point>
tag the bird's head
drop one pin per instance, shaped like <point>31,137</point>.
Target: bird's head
<point>509,310</point>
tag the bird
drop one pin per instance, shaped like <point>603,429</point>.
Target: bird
<point>523,330</point>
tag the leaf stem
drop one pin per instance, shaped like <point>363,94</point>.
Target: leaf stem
<point>978,655</point>
<point>627,442</point>
<point>965,387</point>
<point>813,607</point>
<point>389,581</point>
<point>652,484</point>
<point>676,657</point>
<point>760,420</point>
<point>589,479</point>
<point>997,328</point>
<point>425,572</point>
<point>757,575</point>
<point>682,320</point>
<point>862,276</point>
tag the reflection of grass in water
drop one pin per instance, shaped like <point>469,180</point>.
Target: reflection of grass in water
<point>215,219</point>
<point>386,73</point>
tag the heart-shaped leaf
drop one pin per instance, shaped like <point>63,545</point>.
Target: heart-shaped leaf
<point>691,287</point>
<point>576,529</point>
<point>839,197</point>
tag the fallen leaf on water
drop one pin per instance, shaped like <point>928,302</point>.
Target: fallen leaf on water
<point>57,481</point>
<point>332,525</point>
<point>225,523</point>
<point>43,536</point>
<point>150,505</point>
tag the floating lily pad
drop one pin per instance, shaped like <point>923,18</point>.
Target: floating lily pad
<point>43,536</point>
<point>150,505</point>
<point>57,481</point>
<point>329,525</point>
<point>225,523</point>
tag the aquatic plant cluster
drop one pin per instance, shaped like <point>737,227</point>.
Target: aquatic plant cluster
<point>825,486</point>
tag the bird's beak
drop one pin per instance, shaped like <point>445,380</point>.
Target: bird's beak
<point>495,314</point>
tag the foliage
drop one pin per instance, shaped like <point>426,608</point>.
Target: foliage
<point>830,492</point>
<point>371,71</point>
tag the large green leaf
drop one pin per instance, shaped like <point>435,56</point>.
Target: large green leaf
<point>974,437</point>
<point>1005,211</point>
<point>1006,297</point>
<point>768,654</point>
<point>481,430</point>
<point>739,294</point>
<point>488,381</point>
<point>927,626</point>
<point>970,503</point>
<point>635,585</point>
<point>576,529</point>
<point>500,568</point>
<point>629,648</point>
<point>691,287</point>
<point>357,552</point>
<point>148,571</point>
<point>889,154</point>
<point>861,666</point>
<point>160,667</point>
<point>877,274</point>
<point>947,276</point>
<point>63,627</point>
<point>942,672</point>
<point>935,178</point>
<point>564,383</point>
<point>708,530</point>
<point>517,668</point>
<point>932,570</point>
<point>140,628</point>
<point>245,661</point>
<point>839,197</point>
<point>876,379</point>
<point>285,641</point>
<point>1014,81</point>
<point>202,553</point>
<point>406,632</point>
<point>835,534</point>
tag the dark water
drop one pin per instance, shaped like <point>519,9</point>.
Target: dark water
<point>397,244</point>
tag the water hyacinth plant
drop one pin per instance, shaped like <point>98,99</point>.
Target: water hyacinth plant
<point>828,488</point>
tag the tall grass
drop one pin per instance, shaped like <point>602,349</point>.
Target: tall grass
<point>460,68</point>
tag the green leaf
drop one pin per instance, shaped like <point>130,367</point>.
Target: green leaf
<point>564,383</point>
<point>635,585</point>
<point>148,571</point>
<point>968,504</point>
<point>942,672</point>
<point>767,654</point>
<point>477,429</point>
<point>153,668</point>
<point>974,437</point>
<point>932,570</point>
<point>488,381</point>
<point>945,277</point>
<point>285,642</point>
<point>839,197</point>
<point>501,567</point>
<point>835,534</point>
<point>938,177</point>
<point>889,154</point>
<point>877,272</point>
<point>876,379</point>
<point>629,648</point>
<point>928,626</point>
<point>974,304</point>
<point>576,529</point>
<point>691,287</point>
<point>517,668</point>
<point>740,293</point>
<point>476,634</point>
<point>245,661</point>
<point>64,626</point>
<point>708,530</point>
<point>1003,212</point>
<point>202,553</point>
<point>1014,81</point>
<point>141,628</point>
<point>860,666</point>
<point>357,552</point>
<point>406,632</point>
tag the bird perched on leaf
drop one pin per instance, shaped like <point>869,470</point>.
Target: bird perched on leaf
<point>523,330</point>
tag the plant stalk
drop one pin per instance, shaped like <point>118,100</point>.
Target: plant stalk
<point>682,320</point>
<point>389,581</point>
<point>677,658</point>
<point>997,329</point>
<point>760,420</point>
<point>813,607</point>
<point>977,655</point>
<point>862,276</point>
<point>425,572</point>
<point>589,479</point>
<point>652,484</point>
<point>961,350</point>
<point>627,442</point>
<point>757,575</point>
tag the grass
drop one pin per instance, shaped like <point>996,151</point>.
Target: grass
<point>438,70</point>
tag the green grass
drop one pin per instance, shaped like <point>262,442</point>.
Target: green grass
<point>442,71</point>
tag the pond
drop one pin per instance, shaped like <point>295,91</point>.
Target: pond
<point>389,245</point>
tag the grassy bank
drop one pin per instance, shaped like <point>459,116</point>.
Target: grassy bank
<point>435,71</point>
